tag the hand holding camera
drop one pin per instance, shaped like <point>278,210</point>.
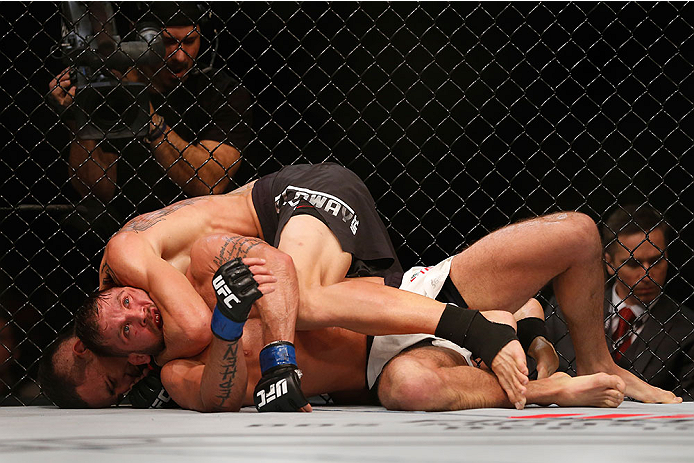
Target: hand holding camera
<point>62,90</point>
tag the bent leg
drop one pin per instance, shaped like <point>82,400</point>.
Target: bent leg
<point>366,307</point>
<point>438,379</point>
<point>327,299</point>
<point>510,265</point>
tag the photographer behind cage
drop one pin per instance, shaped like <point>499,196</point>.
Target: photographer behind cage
<point>200,120</point>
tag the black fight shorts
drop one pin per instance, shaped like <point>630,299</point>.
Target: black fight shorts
<point>340,199</point>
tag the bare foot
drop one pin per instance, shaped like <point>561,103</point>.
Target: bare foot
<point>546,357</point>
<point>642,391</point>
<point>598,390</point>
<point>509,364</point>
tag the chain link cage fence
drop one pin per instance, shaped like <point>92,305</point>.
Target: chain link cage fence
<point>460,118</point>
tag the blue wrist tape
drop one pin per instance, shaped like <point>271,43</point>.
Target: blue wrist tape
<point>274,355</point>
<point>224,328</point>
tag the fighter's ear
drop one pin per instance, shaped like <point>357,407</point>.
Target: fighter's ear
<point>79,348</point>
<point>138,359</point>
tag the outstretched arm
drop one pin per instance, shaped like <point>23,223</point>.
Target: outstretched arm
<point>219,385</point>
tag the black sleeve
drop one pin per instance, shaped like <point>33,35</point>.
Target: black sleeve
<point>229,106</point>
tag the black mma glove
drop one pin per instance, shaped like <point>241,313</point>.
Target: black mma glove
<point>279,389</point>
<point>150,393</point>
<point>236,292</point>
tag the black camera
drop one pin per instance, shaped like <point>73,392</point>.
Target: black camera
<point>105,106</point>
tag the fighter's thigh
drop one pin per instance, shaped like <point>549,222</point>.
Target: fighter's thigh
<point>318,257</point>
<point>415,373</point>
<point>420,362</point>
<point>509,266</point>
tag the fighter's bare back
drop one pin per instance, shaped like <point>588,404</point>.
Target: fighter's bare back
<point>169,233</point>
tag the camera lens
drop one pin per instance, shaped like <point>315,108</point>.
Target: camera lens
<point>112,109</point>
<point>116,101</point>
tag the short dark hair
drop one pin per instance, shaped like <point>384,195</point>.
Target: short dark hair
<point>87,327</point>
<point>61,389</point>
<point>631,219</point>
<point>175,14</point>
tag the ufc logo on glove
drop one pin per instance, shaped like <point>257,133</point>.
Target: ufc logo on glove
<point>276,390</point>
<point>223,291</point>
<point>162,399</point>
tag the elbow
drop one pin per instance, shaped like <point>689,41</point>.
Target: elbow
<point>190,341</point>
<point>278,259</point>
<point>211,408</point>
<point>199,339</point>
<point>217,404</point>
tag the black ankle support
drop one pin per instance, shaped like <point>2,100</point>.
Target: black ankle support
<point>469,329</point>
<point>530,328</point>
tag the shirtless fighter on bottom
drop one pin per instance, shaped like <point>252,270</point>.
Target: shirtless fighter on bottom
<point>408,372</point>
<point>428,375</point>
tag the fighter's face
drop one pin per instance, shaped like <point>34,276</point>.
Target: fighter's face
<point>182,47</point>
<point>640,265</point>
<point>106,379</point>
<point>130,322</point>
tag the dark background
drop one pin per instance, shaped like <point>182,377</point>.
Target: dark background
<point>460,118</point>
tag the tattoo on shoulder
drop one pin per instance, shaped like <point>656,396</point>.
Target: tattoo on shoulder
<point>148,220</point>
<point>227,374</point>
<point>109,278</point>
<point>237,246</point>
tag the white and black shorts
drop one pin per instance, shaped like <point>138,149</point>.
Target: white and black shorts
<point>427,281</point>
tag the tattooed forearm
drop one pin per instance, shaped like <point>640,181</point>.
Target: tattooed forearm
<point>108,276</point>
<point>227,374</point>
<point>237,246</point>
<point>145,221</point>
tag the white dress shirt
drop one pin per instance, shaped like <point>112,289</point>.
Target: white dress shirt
<point>617,303</point>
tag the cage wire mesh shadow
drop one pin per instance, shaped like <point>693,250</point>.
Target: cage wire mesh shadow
<point>459,117</point>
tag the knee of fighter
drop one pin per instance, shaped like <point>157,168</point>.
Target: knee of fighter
<point>583,235</point>
<point>500,316</point>
<point>406,385</point>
